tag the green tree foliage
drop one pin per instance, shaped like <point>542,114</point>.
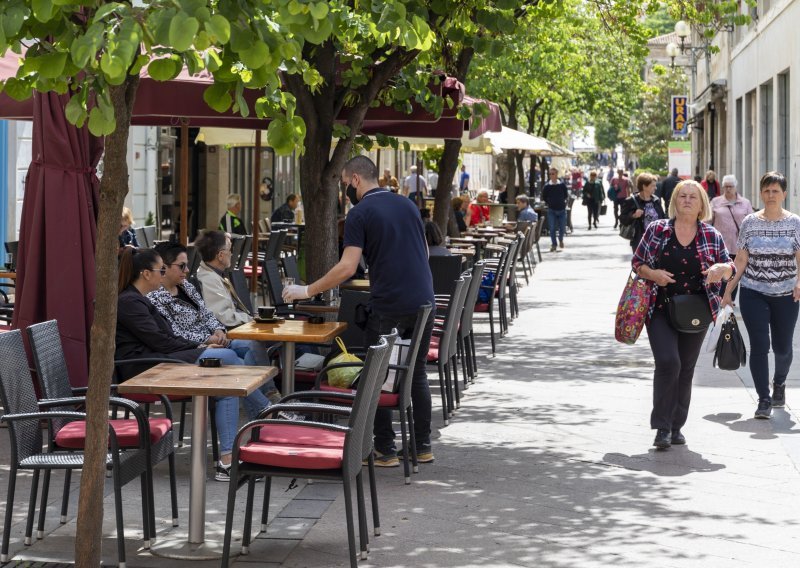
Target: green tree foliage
<point>650,129</point>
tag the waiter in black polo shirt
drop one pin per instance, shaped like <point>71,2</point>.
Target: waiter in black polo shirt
<point>387,229</point>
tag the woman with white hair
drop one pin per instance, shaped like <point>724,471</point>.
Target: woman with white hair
<point>727,213</point>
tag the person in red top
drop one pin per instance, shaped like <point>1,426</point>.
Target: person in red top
<point>711,185</point>
<point>622,189</point>
<point>479,211</point>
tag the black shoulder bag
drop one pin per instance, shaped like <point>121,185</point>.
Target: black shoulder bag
<point>731,352</point>
<point>689,313</point>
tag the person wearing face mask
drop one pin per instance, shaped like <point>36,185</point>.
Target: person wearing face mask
<point>400,282</point>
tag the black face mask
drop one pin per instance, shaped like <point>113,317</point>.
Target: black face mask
<point>352,194</point>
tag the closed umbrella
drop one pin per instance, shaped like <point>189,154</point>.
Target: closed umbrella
<point>55,262</point>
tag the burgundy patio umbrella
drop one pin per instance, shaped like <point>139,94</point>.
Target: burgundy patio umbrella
<point>55,260</point>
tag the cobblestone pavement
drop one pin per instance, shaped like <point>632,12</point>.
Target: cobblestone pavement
<point>548,462</point>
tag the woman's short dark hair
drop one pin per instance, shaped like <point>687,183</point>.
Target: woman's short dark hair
<point>433,234</point>
<point>209,243</point>
<point>772,177</point>
<point>169,251</point>
<point>131,263</point>
<point>457,202</point>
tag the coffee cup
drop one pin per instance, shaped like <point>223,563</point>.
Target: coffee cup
<point>266,312</point>
<point>211,362</point>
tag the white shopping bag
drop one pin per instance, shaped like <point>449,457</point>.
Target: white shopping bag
<point>712,337</point>
<point>398,357</point>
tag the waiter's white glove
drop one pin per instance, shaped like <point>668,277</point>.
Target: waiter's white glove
<point>295,292</point>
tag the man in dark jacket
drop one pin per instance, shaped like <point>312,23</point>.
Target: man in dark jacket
<point>285,213</point>
<point>555,194</point>
<point>593,196</point>
<point>667,186</point>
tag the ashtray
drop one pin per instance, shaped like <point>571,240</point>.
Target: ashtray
<point>316,319</point>
<point>211,362</point>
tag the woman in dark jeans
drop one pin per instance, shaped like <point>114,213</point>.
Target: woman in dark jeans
<point>641,208</point>
<point>766,263</point>
<point>681,255</point>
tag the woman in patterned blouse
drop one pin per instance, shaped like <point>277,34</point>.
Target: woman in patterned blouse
<point>766,263</point>
<point>681,255</point>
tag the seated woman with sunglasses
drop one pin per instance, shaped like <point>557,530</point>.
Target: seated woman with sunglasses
<point>183,307</point>
<point>143,332</point>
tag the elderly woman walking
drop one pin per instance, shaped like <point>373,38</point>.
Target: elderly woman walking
<point>727,214</point>
<point>682,256</point>
<point>766,261</point>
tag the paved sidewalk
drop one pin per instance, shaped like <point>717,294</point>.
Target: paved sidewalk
<point>548,462</point>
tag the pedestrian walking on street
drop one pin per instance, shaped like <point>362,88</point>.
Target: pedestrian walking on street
<point>766,263</point>
<point>555,194</point>
<point>727,215</point>
<point>593,196</point>
<point>711,185</point>
<point>682,255</point>
<point>642,208</point>
<point>620,189</point>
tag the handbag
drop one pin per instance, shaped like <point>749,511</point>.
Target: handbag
<point>628,231</point>
<point>632,309</point>
<point>603,209</point>
<point>731,353</point>
<point>689,313</point>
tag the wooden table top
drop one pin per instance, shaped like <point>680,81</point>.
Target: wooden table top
<point>192,380</point>
<point>355,284</point>
<point>296,331</point>
<point>478,240</point>
<point>8,274</point>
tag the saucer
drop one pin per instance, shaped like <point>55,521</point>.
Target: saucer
<point>275,319</point>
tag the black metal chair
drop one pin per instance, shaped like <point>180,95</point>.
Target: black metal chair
<point>466,337</point>
<point>402,363</point>
<point>440,349</point>
<point>193,259</point>
<point>445,270</point>
<point>237,246</point>
<point>486,305</point>
<point>24,416</point>
<point>51,369</point>
<point>275,288</point>
<point>141,237</point>
<point>290,268</point>
<point>310,450</point>
<point>150,235</point>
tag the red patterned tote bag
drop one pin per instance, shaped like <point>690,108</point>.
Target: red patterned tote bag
<point>632,309</point>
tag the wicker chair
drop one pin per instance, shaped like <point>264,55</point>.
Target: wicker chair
<point>51,369</point>
<point>311,450</point>
<point>24,416</point>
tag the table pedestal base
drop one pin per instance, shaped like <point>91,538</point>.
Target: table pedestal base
<point>176,547</point>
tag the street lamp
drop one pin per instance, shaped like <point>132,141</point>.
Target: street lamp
<point>682,30</point>
<point>673,51</point>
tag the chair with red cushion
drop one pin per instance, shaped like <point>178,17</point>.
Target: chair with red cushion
<point>53,377</point>
<point>442,350</point>
<point>403,361</point>
<point>466,338</point>
<point>24,417</point>
<point>275,448</point>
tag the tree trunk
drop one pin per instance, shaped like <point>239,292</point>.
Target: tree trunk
<point>113,188</point>
<point>320,194</point>
<point>448,164</point>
